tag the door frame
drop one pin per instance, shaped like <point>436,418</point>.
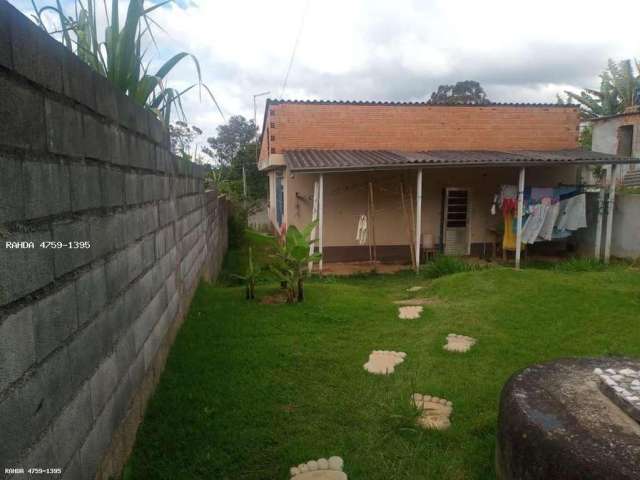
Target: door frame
<point>443,217</point>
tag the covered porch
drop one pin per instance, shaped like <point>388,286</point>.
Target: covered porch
<point>393,207</point>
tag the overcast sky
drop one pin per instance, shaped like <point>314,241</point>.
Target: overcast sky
<point>397,50</point>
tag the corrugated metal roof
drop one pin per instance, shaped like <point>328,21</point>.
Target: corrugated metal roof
<point>276,101</point>
<point>328,160</point>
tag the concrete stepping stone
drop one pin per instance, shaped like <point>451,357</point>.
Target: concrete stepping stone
<point>459,343</point>
<point>416,301</point>
<point>321,469</point>
<point>414,289</point>
<point>435,412</point>
<point>409,312</point>
<point>383,362</point>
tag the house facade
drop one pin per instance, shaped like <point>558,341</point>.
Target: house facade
<point>422,176</point>
<point>620,134</point>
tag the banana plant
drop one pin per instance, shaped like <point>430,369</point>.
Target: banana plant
<point>250,277</point>
<point>120,53</point>
<point>290,257</point>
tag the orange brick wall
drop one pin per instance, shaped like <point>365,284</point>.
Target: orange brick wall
<point>413,128</point>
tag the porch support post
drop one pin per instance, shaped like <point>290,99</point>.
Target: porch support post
<point>610,205</point>
<point>418,218</point>
<point>321,217</point>
<point>598,239</point>
<point>519,222</point>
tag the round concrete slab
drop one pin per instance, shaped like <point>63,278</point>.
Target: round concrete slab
<point>556,424</point>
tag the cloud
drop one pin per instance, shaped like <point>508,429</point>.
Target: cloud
<point>391,50</point>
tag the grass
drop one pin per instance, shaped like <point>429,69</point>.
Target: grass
<point>250,390</point>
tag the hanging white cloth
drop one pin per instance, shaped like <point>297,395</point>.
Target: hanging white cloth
<point>573,213</point>
<point>362,230</point>
<point>534,223</point>
<point>546,232</point>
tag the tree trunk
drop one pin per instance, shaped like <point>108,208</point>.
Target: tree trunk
<point>300,290</point>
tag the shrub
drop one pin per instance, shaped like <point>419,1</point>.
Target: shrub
<point>581,265</point>
<point>445,265</point>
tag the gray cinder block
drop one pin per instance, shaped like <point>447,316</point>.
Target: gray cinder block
<point>17,346</point>
<point>134,224</point>
<point>97,141</point>
<point>117,268</point>
<point>97,442</point>
<point>107,234</point>
<point>134,255</point>
<point>25,108</point>
<point>91,292</point>
<point>69,258</point>
<point>150,219</point>
<point>85,186</point>
<point>121,398</point>
<point>112,186</point>
<point>167,212</point>
<point>70,429</point>
<point>148,251</point>
<point>46,188</point>
<point>12,204</point>
<point>87,349</point>
<point>64,129</point>
<point>36,55</point>
<point>106,103</point>
<point>103,383</point>
<point>5,37</point>
<point>125,352</point>
<point>55,318</point>
<point>29,269</point>
<point>78,80</point>
<point>133,186</point>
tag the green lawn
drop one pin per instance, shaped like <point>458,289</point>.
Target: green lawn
<point>251,389</point>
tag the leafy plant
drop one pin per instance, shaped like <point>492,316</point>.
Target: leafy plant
<point>446,265</point>
<point>290,257</point>
<point>619,88</point>
<point>120,54</point>
<point>580,265</point>
<point>250,277</point>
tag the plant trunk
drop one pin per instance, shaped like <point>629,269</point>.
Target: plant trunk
<point>247,292</point>
<point>291,295</point>
<point>300,290</point>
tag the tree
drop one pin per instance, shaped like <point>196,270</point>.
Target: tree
<point>619,89</point>
<point>233,149</point>
<point>231,137</point>
<point>468,92</point>
<point>182,137</point>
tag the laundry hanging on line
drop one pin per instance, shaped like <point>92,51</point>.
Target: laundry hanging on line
<point>548,213</point>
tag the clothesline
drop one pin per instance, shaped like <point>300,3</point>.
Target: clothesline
<point>550,213</point>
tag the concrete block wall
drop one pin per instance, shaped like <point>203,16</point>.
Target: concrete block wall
<point>104,236</point>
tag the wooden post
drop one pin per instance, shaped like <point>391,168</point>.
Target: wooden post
<point>407,222</point>
<point>519,222</point>
<point>372,225</point>
<point>321,218</point>
<point>598,242</point>
<point>418,218</point>
<point>610,205</point>
<point>314,217</point>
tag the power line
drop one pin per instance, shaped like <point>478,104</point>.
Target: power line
<point>295,48</point>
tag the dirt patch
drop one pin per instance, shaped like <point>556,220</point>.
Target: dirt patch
<point>277,298</point>
<point>418,301</point>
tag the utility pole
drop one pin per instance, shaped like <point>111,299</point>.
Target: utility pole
<point>255,123</point>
